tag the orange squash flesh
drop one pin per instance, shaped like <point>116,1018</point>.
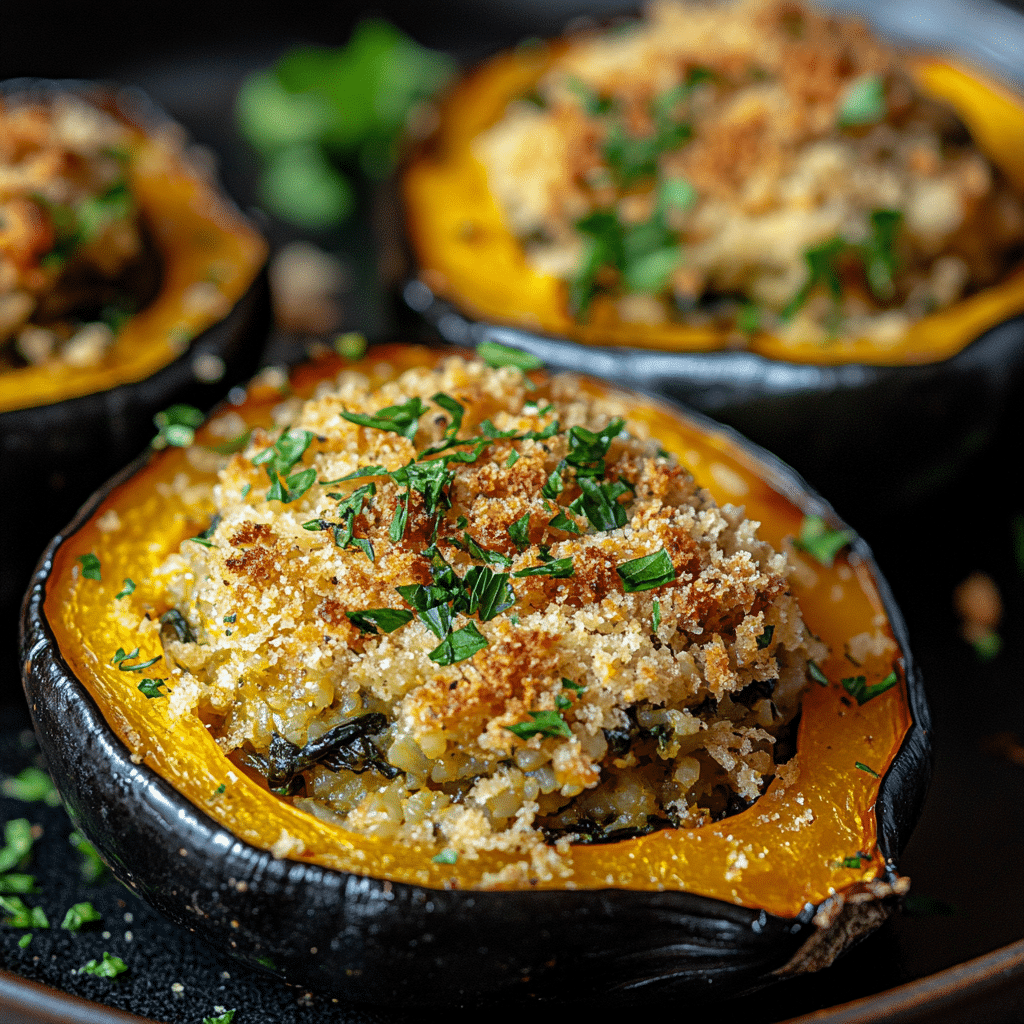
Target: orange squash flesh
<point>465,252</point>
<point>785,851</point>
<point>199,237</point>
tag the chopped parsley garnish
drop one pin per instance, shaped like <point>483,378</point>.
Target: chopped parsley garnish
<point>496,356</point>
<point>290,488</point>
<point>176,426</point>
<point>543,723</point>
<point>765,639</point>
<point>109,966</point>
<point>655,614</point>
<point>561,521</point>
<point>204,538</point>
<point>864,768</point>
<point>352,346</point>
<point>384,620</point>
<point>858,688</point>
<point>815,672</point>
<point>490,593</point>
<point>17,844</point>
<point>447,856</point>
<point>646,572</point>
<point>224,1018</point>
<point>558,568</point>
<point>399,419</point>
<point>855,860</point>
<point>151,688</point>
<point>121,659</point>
<point>285,452</point>
<point>128,588</point>
<point>90,566</point>
<point>600,503</point>
<point>458,645</point>
<point>21,916</point>
<point>80,914</point>
<point>519,532</point>
<point>31,784</point>
<point>92,866</point>
<point>863,104</point>
<point>821,542</point>
<point>513,458</point>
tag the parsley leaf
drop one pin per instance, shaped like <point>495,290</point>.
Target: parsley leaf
<point>446,856</point>
<point>490,593</point>
<point>399,419</point>
<point>150,688</point>
<point>120,659</point>
<point>765,639</point>
<point>821,542</point>
<point>864,768</point>
<point>646,572</point>
<point>863,103</point>
<point>543,723</point>
<point>80,914</point>
<point>858,688</point>
<point>31,784</point>
<point>519,532</point>
<point>458,646</point>
<point>284,453</point>
<point>559,568</point>
<point>372,620</point>
<point>496,356</point>
<point>90,566</point>
<point>109,967</point>
<point>128,588</point>
<point>176,426</point>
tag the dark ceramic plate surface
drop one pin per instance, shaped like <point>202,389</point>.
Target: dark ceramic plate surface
<point>955,954</point>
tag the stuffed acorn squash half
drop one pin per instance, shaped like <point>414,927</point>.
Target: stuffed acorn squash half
<point>422,681</point>
<point>758,209</point>
<point>128,283</point>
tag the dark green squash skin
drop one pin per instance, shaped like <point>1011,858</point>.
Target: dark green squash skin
<point>373,941</point>
<point>874,438</point>
<point>52,457</point>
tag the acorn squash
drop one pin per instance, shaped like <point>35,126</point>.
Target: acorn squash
<point>944,390</point>
<point>201,327</point>
<point>780,888</point>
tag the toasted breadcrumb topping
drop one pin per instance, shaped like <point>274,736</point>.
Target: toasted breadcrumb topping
<point>467,609</point>
<point>752,162</point>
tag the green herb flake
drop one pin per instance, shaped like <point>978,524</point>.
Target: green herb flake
<point>21,916</point>
<point>646,572</point>
<point>569,684</point>
<point>820,542</point>
<point>128,588</point>
<point>446,856</point>
<point>224,1018</point>
<point>497,356</point>
<point>764,641</point>
<point>519,532</point>
<point>17,882</point>
<point>748,318</point>
<point>855,860</point>
<point>858,688</point>
<point>80,914</point>
<point>676,194</point>
<point>24,941</point>
<point>656,615</point>
<point>176,426</point>
<point>815,672</point>
<point>31,784</point>
<point>513,458</point>
<point>90,566</point>
<point>350,345</point>
<point>543,723</point>
<point>384,620</point>
<point>220,790</point>
<point>863,103</point>
<point>398,419</point>
<point>120,659</point>
<point>92,867</point>
<point>558,568</point>
<point>865,768</point>
<point>150,688</point>
<point>458,646</point>
<point>109,966</point>
<point>17,846</point>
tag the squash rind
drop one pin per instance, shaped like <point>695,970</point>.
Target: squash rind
<point>371,934</point>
